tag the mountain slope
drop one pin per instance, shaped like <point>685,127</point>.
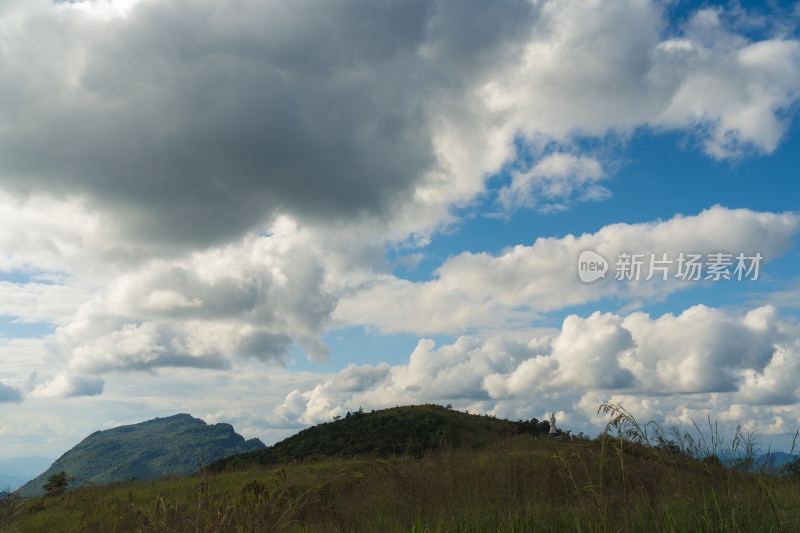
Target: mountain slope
<point>158,447</point>
<point>410,429</point>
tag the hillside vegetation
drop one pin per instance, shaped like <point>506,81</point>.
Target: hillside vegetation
<point>630,479</point>
<point>178,444</point>
<point>411,430</point>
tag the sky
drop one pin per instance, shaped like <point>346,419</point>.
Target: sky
<point>268,213</point>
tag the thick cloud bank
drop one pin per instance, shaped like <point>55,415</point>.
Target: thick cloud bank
<point>256,298</point>
<point>188,122</point>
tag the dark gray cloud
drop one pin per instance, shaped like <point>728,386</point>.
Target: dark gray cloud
<point>84,386</point>
<point>191,121</point>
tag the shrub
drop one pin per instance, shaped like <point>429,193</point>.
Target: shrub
<point>57,484</point>
<point>792,468</point>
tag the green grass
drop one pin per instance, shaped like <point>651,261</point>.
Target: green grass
<point>520,483</point>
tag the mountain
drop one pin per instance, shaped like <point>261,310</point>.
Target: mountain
<point>156,448</point>
<point>10,483</point>
<point>775,459</point>
<point>411,429</point>
<point>772,462</point>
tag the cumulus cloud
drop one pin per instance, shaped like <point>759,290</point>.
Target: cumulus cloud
<point>140,347</point>
<point>587,353</point>
<point>598,67</point>
<point>737,116</point>
<point>432,374</point>
<point>308,407</point>
<point>702,350</point>
<point>776,384</point>
<point>483,290</point>
<point>672,367</point>
<point>253,299</point>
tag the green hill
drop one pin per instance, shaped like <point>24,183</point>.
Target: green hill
<point>413,429</point>
<point>156,448</point>
<point>486,475</point>
<point>520,483</point>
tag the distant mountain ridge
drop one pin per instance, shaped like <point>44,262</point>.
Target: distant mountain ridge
<point>15,472</point>
<point>162,446</point>
<point>772,462</point>
<point>10,483</point>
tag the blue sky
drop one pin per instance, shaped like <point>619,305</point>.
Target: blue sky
<point>270,214</point>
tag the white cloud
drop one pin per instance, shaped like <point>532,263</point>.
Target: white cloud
<point>776,383</point>
<point>40,302</point>
<point>45,233</point>
<point>253,298</point>
<point>69,386</point>
<point>555,182</point>
<point>104,9</point>
<point>479,290</point>
<point>740,369</point>
<point>308,407</point>
<point>594,67</point>
<point>736,89</point>
<point>141,347</point>
<point>702,349</point>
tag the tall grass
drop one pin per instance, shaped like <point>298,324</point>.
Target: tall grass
<point>633,478</point>
<point>12,505</point>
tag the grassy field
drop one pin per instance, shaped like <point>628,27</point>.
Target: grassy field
<point>522,483</point>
